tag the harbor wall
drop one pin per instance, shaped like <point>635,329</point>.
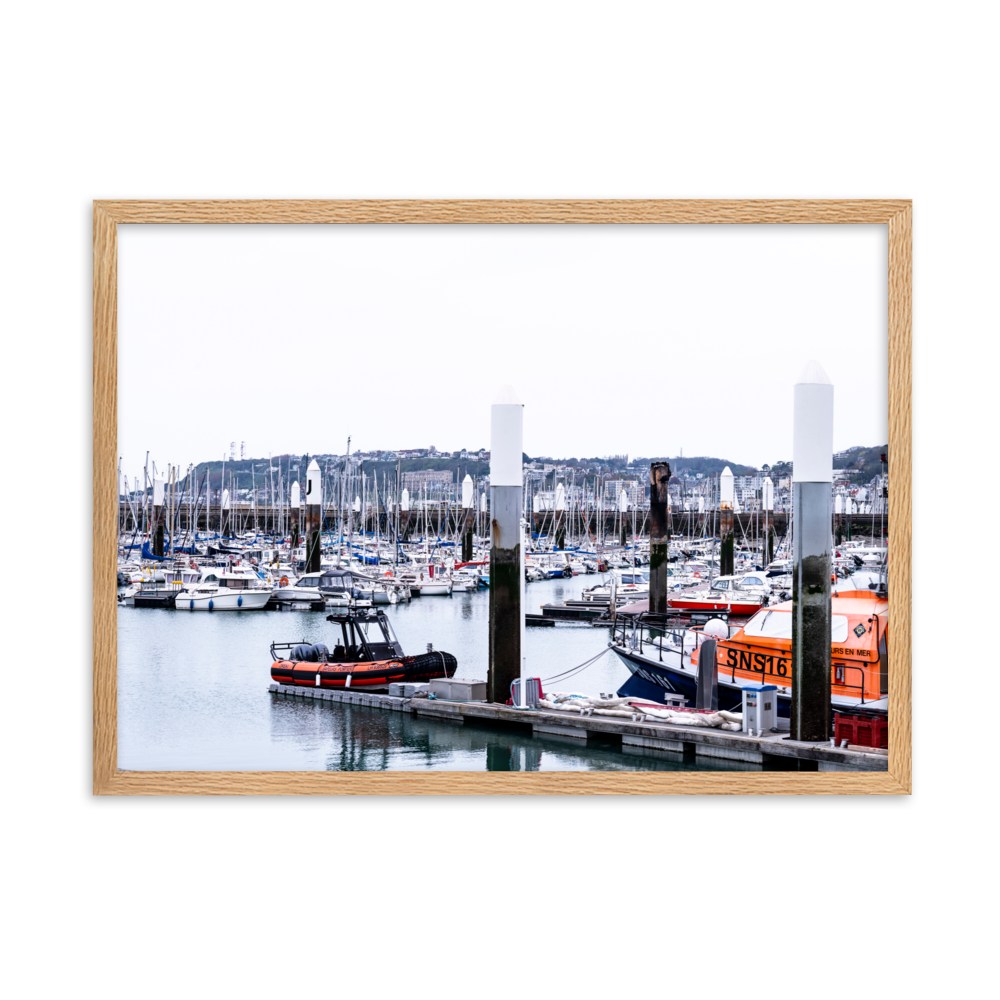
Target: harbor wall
<point>606,528</point>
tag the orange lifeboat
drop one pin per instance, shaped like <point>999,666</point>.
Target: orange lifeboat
<point>761,649</point>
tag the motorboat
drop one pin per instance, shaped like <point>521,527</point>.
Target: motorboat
<point>365,653</point>
<point>220,589</point>
<point>463,581</point>
<point>628,584</point>
<point>378,590</point>
<point>426,581</point>
<point>760,650</point>
<point>302,593</point>
<point>162,593</point>
<point>340,588</point>
<point>739,595</point>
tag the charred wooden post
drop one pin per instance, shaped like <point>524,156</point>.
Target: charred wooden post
<point>506,430</point>
<point>727,561</point>
<point>314,516</point>
<point>812,474</point>
<point>659,536</point>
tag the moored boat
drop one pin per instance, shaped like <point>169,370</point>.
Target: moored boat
<point>760,650</point>
<point>219,589</point>
<point>366,653</point>
<point>740,595</point>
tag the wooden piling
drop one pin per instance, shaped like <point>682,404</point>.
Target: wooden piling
<point>314,517</point>
<point>659,536</point>
<point>727,561</point>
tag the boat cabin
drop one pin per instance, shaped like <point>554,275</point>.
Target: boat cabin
<point>238,579</point>
<point>335,582</point>
<point>358,637</point>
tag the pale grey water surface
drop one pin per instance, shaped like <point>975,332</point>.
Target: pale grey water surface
<point>192,694</point>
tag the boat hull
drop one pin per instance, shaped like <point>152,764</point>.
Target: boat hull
<point>653,679</point>
<point>236,600</point>
<point>733,607</point>
<point>425,667</point>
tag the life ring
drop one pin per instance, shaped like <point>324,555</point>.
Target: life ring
<point>283,582</point>
<point>388,572</point>
<point>697,576</point>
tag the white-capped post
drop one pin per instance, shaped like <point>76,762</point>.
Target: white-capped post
<point>468,517</point>
<point>295,503</point>
<point>767,498</point>
<point>506,549</point>
<point>727,539</point>
<point>812,475</point>
<point>314,516</point>
<point>560,516</point>
<point>223,512</point>
<point>158,497</point>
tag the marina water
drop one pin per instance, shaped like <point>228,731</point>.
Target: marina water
<point>193,695</point>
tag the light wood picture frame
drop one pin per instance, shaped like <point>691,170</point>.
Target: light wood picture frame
<point>108,779</point>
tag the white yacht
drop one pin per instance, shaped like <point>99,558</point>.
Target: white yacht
<point>219,589</point>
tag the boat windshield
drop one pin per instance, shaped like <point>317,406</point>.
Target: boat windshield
<point>390,635</point>
<point>720,585</point>
<point>771,624</point>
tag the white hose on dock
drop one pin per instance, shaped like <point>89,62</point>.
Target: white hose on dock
<point>626,708</point>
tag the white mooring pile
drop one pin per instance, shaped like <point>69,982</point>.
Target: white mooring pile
<point>636,709</point>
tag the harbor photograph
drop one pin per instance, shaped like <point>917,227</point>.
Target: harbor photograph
<point>497,498</point>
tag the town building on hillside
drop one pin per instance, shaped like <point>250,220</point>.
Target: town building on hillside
<point>632,487</point>
<point>430,479</point>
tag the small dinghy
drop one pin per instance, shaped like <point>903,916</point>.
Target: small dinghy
<point>366,653</point>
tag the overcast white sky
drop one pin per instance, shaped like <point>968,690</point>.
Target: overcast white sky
<point>638,339</point>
